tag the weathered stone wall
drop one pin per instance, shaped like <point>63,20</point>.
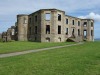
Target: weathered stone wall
<point>76,27</point>
<point>4,36</point>
<point>34,28</point>
<point>16,32</point>
<point>54,23</point>
<point>38,28</point>
<point>9,34</point>
<point>88,28</point>
<point>22,22</point>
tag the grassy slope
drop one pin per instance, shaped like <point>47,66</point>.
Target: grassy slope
<point>76,60</point>
<point>21,46</point>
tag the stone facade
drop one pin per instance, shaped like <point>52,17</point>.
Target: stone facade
<point>10,34</point>
<point>22,22</point>
<point>52,25</point>
<point>4,36</point>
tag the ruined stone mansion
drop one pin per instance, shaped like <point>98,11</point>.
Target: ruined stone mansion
<point>50,25</point>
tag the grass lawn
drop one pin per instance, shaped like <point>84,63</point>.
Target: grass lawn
<point>76,60</point>
<point>22,46</point>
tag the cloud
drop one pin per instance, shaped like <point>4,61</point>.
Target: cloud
<point>10,8</point>
<point>91,15</point>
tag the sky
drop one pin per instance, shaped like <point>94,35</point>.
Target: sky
<point>9,9</point>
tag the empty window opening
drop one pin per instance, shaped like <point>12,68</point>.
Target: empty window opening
<point>78,23</point>
<point>66,31</point>
<point>91,24</point>
<point>59,39</point>
<point>35,29</point>
<point>47,39</point>
<point>59,29</point>
<point>85,33</point>
<point>47,16</point>
<point>25,20</point>
<point>47,29</point>
<point>78,32</point>
<point>36,18</point>
<point>59,17</point>
<point>73,32</point>
<point>73,22</point>
<point>13,31</point>
<point>66,21</point>
<point>91,32</point>
<point>85,24</point>
<point>29,20</point>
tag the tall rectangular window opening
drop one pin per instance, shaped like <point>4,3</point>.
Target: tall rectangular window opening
<point>29,20</point>
<point>47,16</point>
<point>91,24</point>
<point>85,24</point>
<point>59,17</point>
<point>36,18</point>
<point>91,32</point>
<point>78,23</point>
<point>13,31</point>
<point>25,20</point>
<point>73,32</point>
<point>85,33</point>
<point>59,29</point>
<point>66,21</point>
<point>47,29</point>
<point>78,32</point>
<point>35,29</point>
<point>66,31</point>
<point>73,22</point>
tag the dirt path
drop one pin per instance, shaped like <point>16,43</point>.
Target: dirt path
<point>36,50</point>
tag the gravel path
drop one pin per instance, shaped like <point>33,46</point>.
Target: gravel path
<point>36,50</point>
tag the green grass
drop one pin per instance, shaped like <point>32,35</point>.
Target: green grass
<point>22,46</point>
<point>76,60</point>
